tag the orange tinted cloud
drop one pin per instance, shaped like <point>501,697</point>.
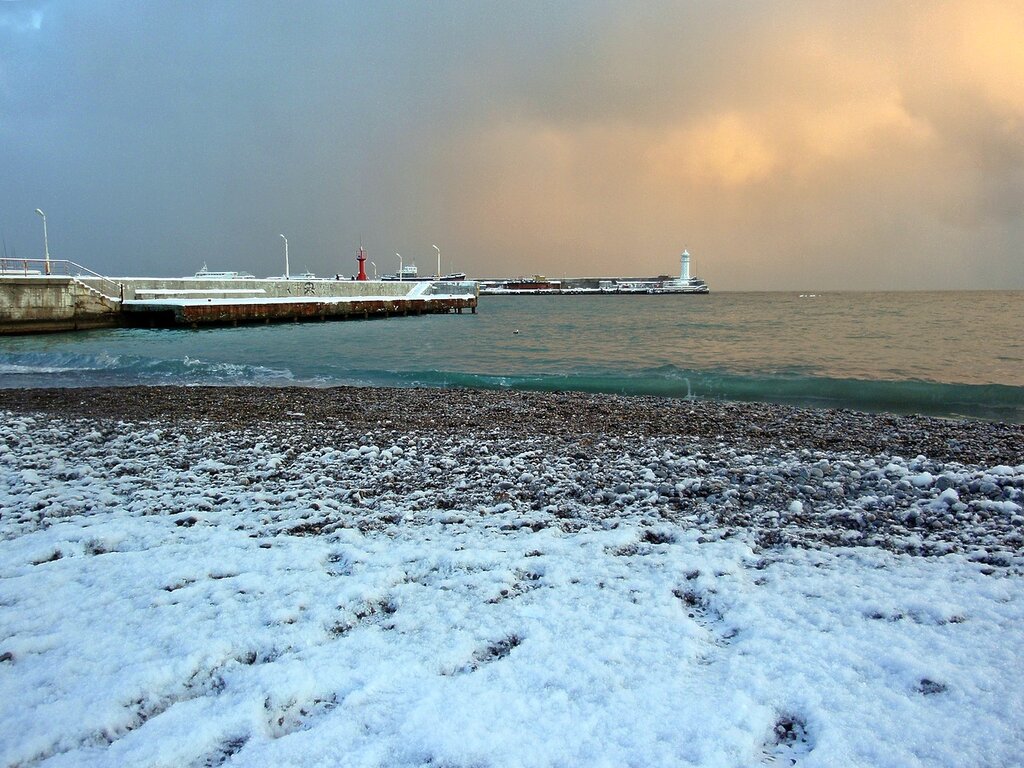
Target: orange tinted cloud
<point>977,47</point>
<point>842,148</point>
<point>725,150</point>
<point>786,144</point>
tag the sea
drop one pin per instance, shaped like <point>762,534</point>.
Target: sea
<point>947,354</point>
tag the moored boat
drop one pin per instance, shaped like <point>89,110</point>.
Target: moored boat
<point>206,274</point>
<point>410,273</point>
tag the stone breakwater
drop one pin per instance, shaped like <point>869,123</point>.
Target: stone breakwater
<point>314,461</point>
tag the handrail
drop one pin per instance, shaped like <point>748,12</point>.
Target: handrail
<point>119,295</point>
<point>62,267</point>
<point>14,266</point>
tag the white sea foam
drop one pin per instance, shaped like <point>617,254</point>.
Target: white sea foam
<point>64,369</point>
<point>14,368</point>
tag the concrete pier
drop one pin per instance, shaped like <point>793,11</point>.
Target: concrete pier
<point>32,301</point>
<point>42,304</point>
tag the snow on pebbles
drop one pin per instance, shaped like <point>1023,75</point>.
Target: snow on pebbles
<point>184,593</point>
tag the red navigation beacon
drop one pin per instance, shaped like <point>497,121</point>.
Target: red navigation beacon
<point>361,258</point>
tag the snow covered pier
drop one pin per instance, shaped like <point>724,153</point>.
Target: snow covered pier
<point>195,311</point>
<point>63,296</point>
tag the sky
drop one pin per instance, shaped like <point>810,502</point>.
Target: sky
<point>787,145</point>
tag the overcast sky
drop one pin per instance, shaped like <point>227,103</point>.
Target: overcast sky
<point>787,145</point>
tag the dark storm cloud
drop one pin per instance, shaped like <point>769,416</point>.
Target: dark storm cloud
<point>788,144</point>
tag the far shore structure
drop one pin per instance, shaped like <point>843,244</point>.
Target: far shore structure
<point>52,295</point>
<point>599,286</point>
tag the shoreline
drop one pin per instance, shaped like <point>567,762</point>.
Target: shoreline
<point>777,475</point>
<point>568,414</point>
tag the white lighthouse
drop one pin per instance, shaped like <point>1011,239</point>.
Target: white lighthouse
<point>684,266</point>
<point>684,283</point>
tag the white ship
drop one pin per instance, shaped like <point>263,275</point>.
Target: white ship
<point>407,272</point>
<point>207,274</point>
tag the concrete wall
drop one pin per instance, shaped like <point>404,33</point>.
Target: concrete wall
<point>39,304</point>
<point>196,313</point>
<point>274,288</point>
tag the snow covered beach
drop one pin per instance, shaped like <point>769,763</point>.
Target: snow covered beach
<point>197,576</point>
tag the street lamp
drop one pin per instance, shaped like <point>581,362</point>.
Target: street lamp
<point>438,262</point>
<point>374,270</point>
<point>399,265</point>
<point>46,241</point>
<point>287,274</point>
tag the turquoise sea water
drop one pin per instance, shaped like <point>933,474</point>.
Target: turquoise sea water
<point>956,353</point>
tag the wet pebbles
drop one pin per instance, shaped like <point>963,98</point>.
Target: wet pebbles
<point>376,458</point>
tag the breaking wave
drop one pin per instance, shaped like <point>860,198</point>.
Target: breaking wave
<point>989,401</point>
<point>64,369</point>
<point>986,401</point>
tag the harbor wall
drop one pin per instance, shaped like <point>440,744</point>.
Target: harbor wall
<point>51,303</point>
<point>196,313</point>
<point>142,288</point>
<point>46,303</point>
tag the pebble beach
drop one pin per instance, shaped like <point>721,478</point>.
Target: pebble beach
<point>785,475</point>
<point>374,576</point>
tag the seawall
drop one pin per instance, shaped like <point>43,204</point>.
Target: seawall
<point>39,303</point>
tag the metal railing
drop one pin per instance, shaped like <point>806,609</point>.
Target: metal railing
<point>60,268</point>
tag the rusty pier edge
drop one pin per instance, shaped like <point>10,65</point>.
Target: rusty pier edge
<point>214,314</point>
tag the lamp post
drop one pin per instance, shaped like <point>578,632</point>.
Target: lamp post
<point>46,241</point>
<point>438,262</point>
<point>287,273</point>
<point>374,270</point>
<point>399,265</point>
